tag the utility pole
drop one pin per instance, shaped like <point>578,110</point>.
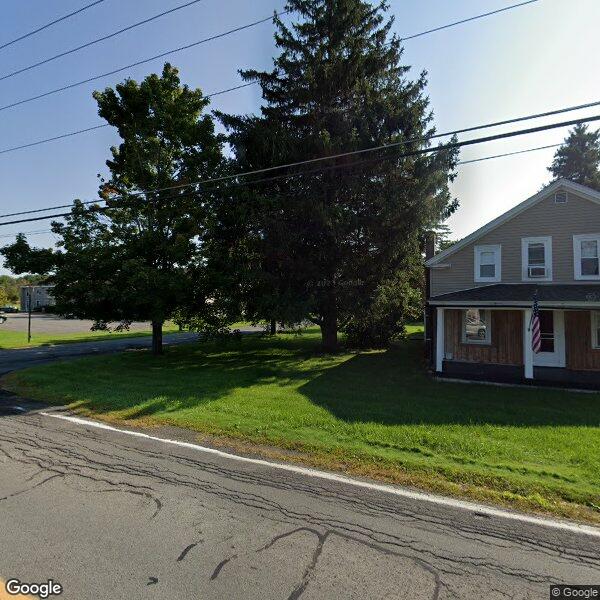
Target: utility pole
<point>29,295</point>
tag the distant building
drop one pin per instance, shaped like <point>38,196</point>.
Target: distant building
<point>41,297</point>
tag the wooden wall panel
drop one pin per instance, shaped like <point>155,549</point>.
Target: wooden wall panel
<point>506,346</point>
<point>578,332</point>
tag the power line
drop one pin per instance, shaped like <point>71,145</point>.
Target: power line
<point>487,14</point>
<point>181,48</point>
<point>506,122</point>
<point>460,163</point>
<point>98,40</point>
<point>36,232</point>
<point>47,25</point>
<point>175,9</point>
<point>94,127</point>
<point>381,147</point>
<point>474,160</point>
<point>52,139</point>
<point>402,142</point>
<point>141,62</point>
<point>419,152</point>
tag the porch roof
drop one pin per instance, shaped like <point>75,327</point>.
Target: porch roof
<point>521,294</point>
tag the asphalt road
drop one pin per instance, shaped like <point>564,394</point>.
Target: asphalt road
<point>110,515</point>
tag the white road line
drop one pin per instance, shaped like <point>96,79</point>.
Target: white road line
<point>388,489</point>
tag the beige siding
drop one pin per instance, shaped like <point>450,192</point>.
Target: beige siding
<point>561,221</point>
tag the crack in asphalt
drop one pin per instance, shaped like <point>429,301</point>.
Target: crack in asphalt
<point>77,457</point>
<point>220,566</point>
<point>185,551</point>
<point>423,520</point>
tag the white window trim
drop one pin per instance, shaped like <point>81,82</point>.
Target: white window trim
<point>577,239</point>
<point>547,241</point>
<point>497,250</point>
<point>595,320</point>
<point>487,341</point>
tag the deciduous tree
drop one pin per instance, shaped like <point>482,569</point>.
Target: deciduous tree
<point>136,256</point>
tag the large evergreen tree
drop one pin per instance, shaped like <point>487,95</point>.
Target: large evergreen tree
<point>578,158</point>
<point>322,242</point>
<point>137,256</point>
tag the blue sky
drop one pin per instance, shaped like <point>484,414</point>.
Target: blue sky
<point>530,59</point>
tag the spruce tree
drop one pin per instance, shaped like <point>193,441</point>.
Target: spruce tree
<point>578,158</point>
<point>326,239</point>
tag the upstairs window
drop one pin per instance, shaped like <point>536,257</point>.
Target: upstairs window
<point>596,330</point>
<point>488,263</point>
<point>586,249</point>
<point>536,256</point>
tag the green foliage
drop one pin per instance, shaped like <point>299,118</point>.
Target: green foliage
<point>20,258</point>
<point>375,410</point>
<point>314,246</point>
<point>10,287</point>
<point>137,257</point>
<point>382,319</point>
<point>578,159</point>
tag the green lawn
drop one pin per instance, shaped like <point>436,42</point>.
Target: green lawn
<point>18,339</point>
<point>371,413</point>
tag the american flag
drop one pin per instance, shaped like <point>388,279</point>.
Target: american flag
<point>536,334</point>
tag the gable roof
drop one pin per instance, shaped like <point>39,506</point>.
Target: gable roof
<point>560,184</point>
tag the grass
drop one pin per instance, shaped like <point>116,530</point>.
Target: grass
<point>370,413</point>
<point>18,339</point>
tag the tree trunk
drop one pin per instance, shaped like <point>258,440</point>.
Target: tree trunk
<point>157,338</point>
<point>329,330</point>
<point>273,327</point>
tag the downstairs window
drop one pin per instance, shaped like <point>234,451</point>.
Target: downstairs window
<point>476,326</point>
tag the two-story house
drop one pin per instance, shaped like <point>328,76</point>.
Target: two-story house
<point>481,292</point>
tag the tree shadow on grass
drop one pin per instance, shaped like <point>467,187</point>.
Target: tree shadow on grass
<point>392,388</point>
<point>184,380</point>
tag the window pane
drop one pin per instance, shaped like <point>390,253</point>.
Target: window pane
<point>590,266</point>
<point>487,271</point>
<point>547,330</point>
<point>589,249</point>
<point>476,325</point>
<point>537,254</point>
<point>487,258</point>
<point>547,344</point>
<point>547,322</point>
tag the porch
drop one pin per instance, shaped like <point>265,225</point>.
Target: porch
<point>494,343</point>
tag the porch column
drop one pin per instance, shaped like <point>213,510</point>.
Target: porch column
<point>440,340</point>
<point>527,347</point>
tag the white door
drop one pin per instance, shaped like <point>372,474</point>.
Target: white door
<point>552,327</point>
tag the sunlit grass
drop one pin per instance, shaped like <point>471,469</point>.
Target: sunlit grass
<point>375,412</point>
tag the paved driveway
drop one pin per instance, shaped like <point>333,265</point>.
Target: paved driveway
<point>42,323</point>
